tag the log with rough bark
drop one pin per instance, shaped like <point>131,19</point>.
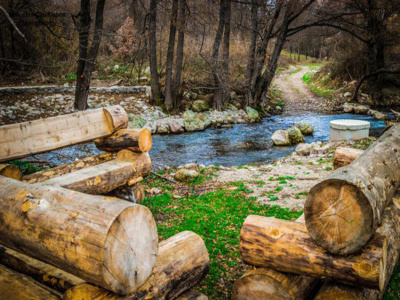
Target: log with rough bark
<point>15,286</point>
<point>44,273</point>
<point>262,283</point>
<point>192,295</point>
<point>105,177</point>
<point>343,211</point>
<point>68,168</point>
<point>181,264</point>
<point>136,140</point>
<point>334,291</point>
<point>287,247</point>
<point>103,240</point>
<point>10,171</point>
<point>344,156</point>
<point>24,139</point>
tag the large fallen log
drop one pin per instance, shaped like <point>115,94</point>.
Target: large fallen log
<point>343,211</point>
<point>287,247</point>
<point>104,240</point>
<point>333,291</point>
<point>344,156</point>
<point>192,295</point>
<point>181,264</point>
<point>23,139</point>
<point>105,177</point>
<point>15,286</point>
<point>10,171</point>
<point>136,140</point>
<point>44,273</point>
<point>69,168</point>
<point>262,283</point>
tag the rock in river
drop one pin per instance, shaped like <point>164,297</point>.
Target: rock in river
<point>305,128</point>
<point>295,135</point>
<point>281,138</point>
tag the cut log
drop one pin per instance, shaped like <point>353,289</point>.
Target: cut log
<point>333,291</point>
<point>23,139</point>
<point>10,171</point>
<point>344,156</point>
<point>15,286</point>
<point>68,168</point>
<point>105,177</point>
<point>287,247</point>
<point>343,211</point>
<point>46,274</point>
<point>136,140</point>
<point>104,240</point>
<point>181,264</point>
<point>262,283</point>
<point>192,295</point>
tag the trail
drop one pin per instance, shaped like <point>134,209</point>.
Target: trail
<point>298,98</point>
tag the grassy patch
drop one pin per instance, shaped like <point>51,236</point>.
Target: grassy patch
<point>25,167</point>
<point>317,87</point>
<point>217,217</point>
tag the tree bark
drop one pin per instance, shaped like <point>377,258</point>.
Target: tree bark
<point>170,56</point>
<point>334,291</point>
<point>262,283</point>
<point>156,94</point>
<point>104,240</point>
<point>181,264</point>
<point>15,286</point>
<point>343,211</point>
<point>287,247</point>
<point>136,140</point>
<point>252,47</point>
<point>82,85</point>
<point>344,156</point>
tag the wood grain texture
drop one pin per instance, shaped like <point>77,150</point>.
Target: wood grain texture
<point>104,240</point>
<point>24,139</point>
<point>192,295</point>
<point>15,286</point>
<point>343,211</point>
<point>287,247</point>
<point>136,140</point>
<point>10,171</point>
<point>262,283</point>
<point>344,156</point>
<point>335,291</point>
<point>182,263</point>
<point>44,273</point>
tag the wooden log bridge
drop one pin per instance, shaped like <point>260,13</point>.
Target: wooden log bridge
<point>343,211</point>
<point>182,263</point>
<point>24,139</point>
<point>287,247</point>
<point>104,240</point>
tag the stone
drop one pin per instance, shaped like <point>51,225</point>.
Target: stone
<point>176,126</point>
<point>281,138</point>
<point>135,121</point>
<point>200,106</point>
<point>278,108</point>
<point>347,95</point>
<point>361,109</point>
<point>162,126</point>
<point>185,175</point>
<point>348,107</point>
<point>305,128</point>
<point>231,107</point>
<point>252,113</point>
<point>295,135</point>
<point>303,149</point>
<point>378,115</point>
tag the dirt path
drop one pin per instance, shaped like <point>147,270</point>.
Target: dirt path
<point>297,96</point>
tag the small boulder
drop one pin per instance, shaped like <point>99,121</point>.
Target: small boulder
<point>295,136</point>
<point>252,114</point>
<point>305,128</point>
<point>347,95</point>
<point>281,138</point>
<point>176,126</point>
<point>348,107</point>
<point>185,175</point>
<point>162,126</point>
<point>303,149</point>
<point>361,109</point>
<point>200,106</point>
<point>378,115</point>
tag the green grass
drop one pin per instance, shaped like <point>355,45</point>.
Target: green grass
<point>217,217</point>
<point>317,88</point>
<point>25,167</point>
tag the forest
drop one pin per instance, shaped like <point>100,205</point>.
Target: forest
<point>199,149</point>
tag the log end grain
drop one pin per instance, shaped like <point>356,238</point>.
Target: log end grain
<point>145,140</point>
<point>117,117</point>
<point>10,171</point>
<point>338,216</point>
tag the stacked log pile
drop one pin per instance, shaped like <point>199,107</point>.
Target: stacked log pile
<point>350,236</point>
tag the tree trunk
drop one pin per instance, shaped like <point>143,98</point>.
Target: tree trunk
<point>104,240</point>
<point>343,211</point>
<point>170,55</point>
<point>181,264</point>
<point>15,286</point>
<point>334,291</point>
<point>136,140</point>
<point>46,274</point>
<point>252,47</point>
<point>287,247</point>
<point>179,52</point>
<point>345,156</point>
<point>10,171</point>
<point>82,86</point>
<point>156,94</point>
<point>263,283</point>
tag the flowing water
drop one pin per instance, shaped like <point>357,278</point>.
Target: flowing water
<point>242,144</point>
